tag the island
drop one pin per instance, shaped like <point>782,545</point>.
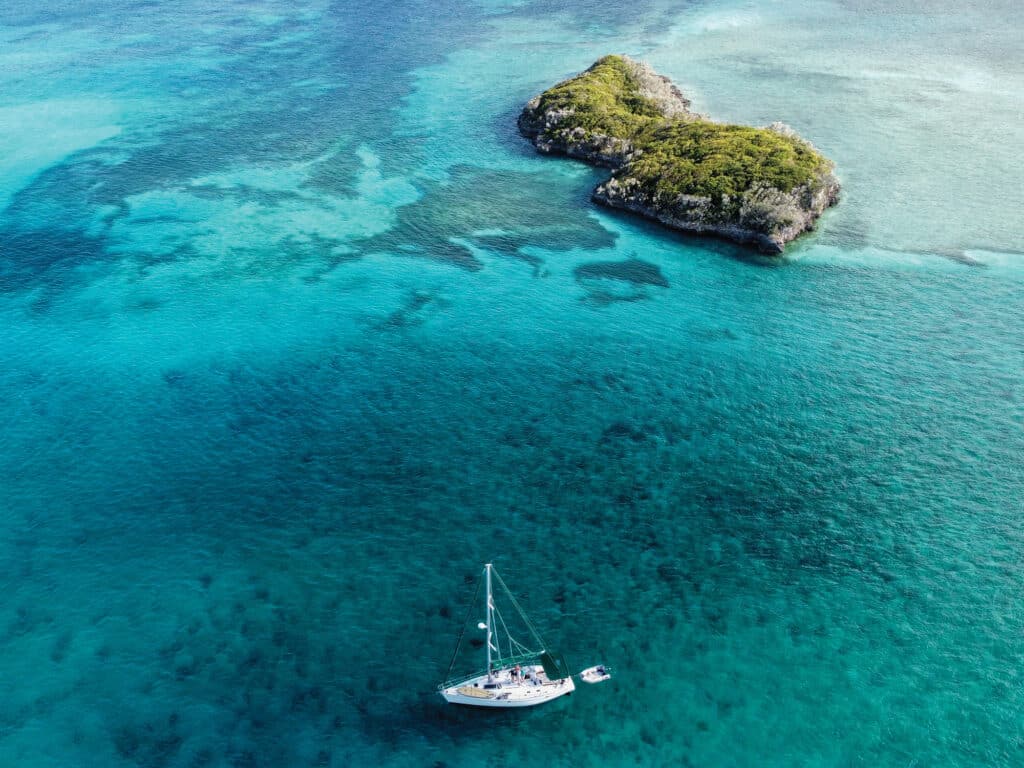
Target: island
<point>762,187</point>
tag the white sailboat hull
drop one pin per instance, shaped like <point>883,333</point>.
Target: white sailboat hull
<point>502,690</point>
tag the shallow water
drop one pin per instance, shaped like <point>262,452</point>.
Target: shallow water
<point>298,332</point>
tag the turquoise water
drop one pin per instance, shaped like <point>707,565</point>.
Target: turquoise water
<point>297,333</point>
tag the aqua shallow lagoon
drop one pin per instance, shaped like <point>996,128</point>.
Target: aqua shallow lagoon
<point>297,333</point>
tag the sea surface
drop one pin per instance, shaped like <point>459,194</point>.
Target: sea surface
<point>296,333</point>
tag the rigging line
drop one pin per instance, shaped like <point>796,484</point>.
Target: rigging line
<point>513,644</point>
<point>458,645</point>
<point>522,613</point>
<point>508,634</point>
<point>511,640</point>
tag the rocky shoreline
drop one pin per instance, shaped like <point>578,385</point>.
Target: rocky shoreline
<point>761,187</point>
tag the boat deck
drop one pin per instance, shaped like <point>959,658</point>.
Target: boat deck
<point>504,689</point>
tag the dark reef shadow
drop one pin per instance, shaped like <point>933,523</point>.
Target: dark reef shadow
<point>501,211</point>
<point>958,255</point>
<point>631,270</point>
<point>607,282</point>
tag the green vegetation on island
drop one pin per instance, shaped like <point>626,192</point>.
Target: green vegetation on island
<point>722,161</point>
<point>761,186</point>
<point>605,100</point>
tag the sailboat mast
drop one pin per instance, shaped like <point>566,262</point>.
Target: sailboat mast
<point>490,618</point>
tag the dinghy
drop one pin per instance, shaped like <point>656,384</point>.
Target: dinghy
<point>597,674</point>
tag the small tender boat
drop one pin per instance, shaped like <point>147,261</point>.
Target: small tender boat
<point>516,675</point>
<point>597,674</point>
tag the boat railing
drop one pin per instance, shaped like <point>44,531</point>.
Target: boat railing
<point>531,658</point>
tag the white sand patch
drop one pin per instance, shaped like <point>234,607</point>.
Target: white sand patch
<point>37,135</point>
<point>162,221</point>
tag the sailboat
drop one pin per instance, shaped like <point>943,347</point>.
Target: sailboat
<point>516,675</point>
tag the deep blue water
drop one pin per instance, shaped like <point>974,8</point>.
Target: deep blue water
<point>297,333</point>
